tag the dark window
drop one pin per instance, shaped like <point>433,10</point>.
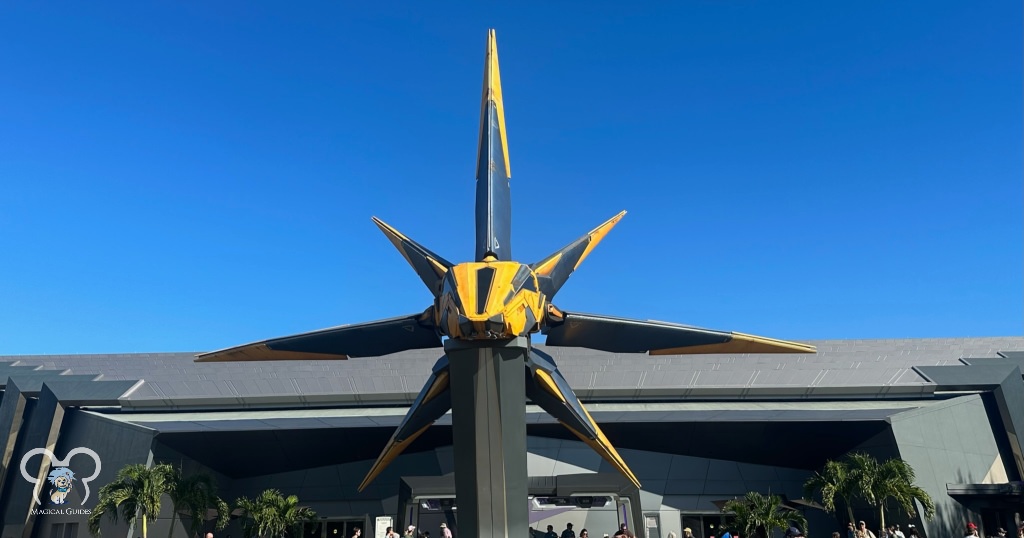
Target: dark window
<point>484,279</point>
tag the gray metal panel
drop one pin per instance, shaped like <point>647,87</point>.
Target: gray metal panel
<point>12,413</point>
<point>841,368</point>
<point>979,377</point>
<point>489,432</point>
<point>80,391</point>
<point>603,413</point>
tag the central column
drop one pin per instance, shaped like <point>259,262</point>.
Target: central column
<point>488,387</point>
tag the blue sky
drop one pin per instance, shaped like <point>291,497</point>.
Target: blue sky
<point>183,176</point>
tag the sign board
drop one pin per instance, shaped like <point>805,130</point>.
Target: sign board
<point>380,527</point>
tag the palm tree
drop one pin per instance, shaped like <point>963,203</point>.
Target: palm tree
<point>193,497</point>
<point>135,493</point>
<point>860,475</point>
<point>759,515</point>
<point>831,482</point>
<point>894,480</point>
<point>272,515</point>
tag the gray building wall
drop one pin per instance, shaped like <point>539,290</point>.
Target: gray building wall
<point>117,444</point>
<point>950,443</point>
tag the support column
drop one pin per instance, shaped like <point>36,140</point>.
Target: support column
<point>489,432</point>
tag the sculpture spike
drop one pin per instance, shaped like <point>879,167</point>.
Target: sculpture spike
<point>553,271</point>
<point>493,198</point>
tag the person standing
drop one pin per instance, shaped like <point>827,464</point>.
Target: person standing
<point>725,532</point>
<point>357,532</point>
<point>863,531</point>
<point>568,532</point>
<point>445,531</point>
<point>551,532</point>
<point>624,531</point>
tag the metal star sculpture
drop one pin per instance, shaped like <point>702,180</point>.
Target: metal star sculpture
<point>495,298</point>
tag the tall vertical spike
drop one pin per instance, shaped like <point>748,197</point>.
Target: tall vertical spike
<point>493,198</point>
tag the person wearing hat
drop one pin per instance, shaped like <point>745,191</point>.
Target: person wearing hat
<point>1001,532</point>
<point>971,531</point>
<point>687,532</point>
<point>793,532</point>
<point>410,531</point>
<point>445,531</point>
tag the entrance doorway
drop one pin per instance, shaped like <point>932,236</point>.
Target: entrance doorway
<point>335,528</point>
<point>706,525</point>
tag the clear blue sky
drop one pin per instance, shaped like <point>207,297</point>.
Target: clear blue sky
<point>181,176</point>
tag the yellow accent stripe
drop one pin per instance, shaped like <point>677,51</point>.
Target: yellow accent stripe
<point>741,343</point>
<point>597,234</point>
<point>549,265</point>
<point>549,384</point>
<point>605,450</point>
<point>492,92</point>
<point>390,452</point>
<point>439,386</point>
<point>394,236</point>
<point>438,268</point>
<point>260,352</point>
<point>601,445</point>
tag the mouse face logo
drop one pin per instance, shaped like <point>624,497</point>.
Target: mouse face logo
<point>61,479</point>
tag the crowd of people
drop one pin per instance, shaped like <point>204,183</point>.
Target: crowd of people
<point>623,532</point>
<point>853,530</point>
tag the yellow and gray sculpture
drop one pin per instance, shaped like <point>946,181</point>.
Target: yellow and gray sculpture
<point>488,309</point>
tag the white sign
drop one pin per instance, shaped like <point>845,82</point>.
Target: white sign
<point>380,528</point>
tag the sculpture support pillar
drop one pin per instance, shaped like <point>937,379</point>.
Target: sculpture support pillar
<point>488,383</point>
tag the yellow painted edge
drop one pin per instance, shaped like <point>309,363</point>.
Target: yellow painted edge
<point>395,237</point>
<point>439,386</point>
<point>390,452</point>
<point>549,384</point>
<point>439,269</point>
<point>611,449</point>
<point>548,265</point>
<point>492,92</point>
<point>606,451</point>
<point>260,352</point>
<point>741,343</point>
<point>499,101</point>
<point>597,234</point>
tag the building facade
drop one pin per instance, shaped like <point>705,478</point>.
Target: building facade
<point>696,430</point>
